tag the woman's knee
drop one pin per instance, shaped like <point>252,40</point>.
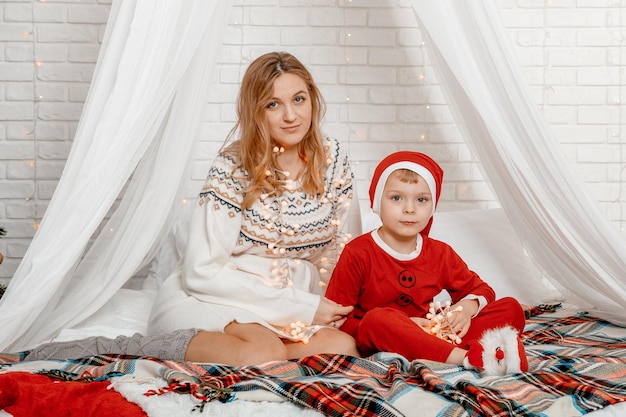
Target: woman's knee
<point>336,342</point>
<point>257,353</point>
<point>239,345</point>
<point>344,344</point>
<point>256,344</point>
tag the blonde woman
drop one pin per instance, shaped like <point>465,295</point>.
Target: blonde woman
<point>276,209</point>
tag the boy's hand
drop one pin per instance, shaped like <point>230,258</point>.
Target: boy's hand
<point>460,321</point>
<point>329,313</point>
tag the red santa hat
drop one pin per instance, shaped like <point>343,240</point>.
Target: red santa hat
<point>499,352</point>
<point>420,163</point>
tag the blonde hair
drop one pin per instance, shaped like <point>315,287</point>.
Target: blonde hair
<point>254,145</point>
<point>406,175</point>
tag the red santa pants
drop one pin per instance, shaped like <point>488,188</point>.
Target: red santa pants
<point>386,329</point>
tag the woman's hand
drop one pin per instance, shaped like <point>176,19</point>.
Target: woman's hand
<point>329,313</point>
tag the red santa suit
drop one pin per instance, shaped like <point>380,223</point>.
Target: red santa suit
<point>387,288</point>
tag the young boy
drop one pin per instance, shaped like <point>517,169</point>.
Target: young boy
<point>391,275</point>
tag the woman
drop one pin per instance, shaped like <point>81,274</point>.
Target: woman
<point>270,222</point>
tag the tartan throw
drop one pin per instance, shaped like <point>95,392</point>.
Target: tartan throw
<point>577,365</point>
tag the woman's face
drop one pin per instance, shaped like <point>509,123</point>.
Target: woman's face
<point>288,111</point>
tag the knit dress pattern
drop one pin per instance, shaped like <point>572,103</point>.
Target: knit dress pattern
<point>266,264</point>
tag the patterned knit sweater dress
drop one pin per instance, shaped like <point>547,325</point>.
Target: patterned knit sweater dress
<point>267,264</point>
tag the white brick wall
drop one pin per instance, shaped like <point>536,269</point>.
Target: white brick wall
<point>368,58</point>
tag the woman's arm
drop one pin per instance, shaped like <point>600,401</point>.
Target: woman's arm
<point>211,273</point>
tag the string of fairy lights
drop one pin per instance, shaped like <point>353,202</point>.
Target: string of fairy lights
<point>33,133</point>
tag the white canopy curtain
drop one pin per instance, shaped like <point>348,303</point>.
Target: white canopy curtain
<point>561,226</point>
<point>140,121</point>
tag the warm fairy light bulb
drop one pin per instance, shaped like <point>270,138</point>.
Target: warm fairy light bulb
<point>38,63</point>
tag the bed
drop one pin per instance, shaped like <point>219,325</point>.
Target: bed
<point>577,362</point>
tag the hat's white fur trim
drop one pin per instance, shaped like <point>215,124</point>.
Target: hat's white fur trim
<point>411,166</point>
<point>506,339</point>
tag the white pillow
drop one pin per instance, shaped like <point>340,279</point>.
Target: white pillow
<point>488,244</point>
<point>483,238</point>
<point>125,314</point>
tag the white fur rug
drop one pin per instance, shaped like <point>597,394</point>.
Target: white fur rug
<point>181,405</point>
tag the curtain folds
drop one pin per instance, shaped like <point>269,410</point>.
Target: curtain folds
<point>561,227</point>
<point>140,123</point>
<point>133,141</point>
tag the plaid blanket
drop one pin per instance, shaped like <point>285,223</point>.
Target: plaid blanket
<point>577,365</point>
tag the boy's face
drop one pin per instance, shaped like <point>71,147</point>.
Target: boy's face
<point>405,209</point>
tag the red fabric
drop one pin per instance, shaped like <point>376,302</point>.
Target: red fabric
<point>481,352</point>
<point>475,355</point>
<point>522,356</point>
<point>367,277</point>
<point>417,158</point>
<point>391,330</point>
<point>386,292</point>
<point>25,395</point>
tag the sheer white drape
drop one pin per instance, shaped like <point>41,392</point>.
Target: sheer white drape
<point>560,225</point>
<point>140,122</point>
<point>134,140</point>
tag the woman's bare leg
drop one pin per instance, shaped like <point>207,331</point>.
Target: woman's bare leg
<point>324,341</point>
<point>239,345</point>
